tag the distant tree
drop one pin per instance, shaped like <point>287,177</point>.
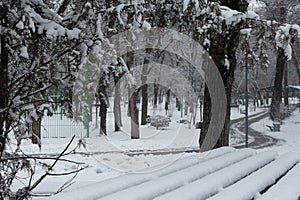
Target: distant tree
<point>118,71</point>
<point>103,100</point>
<point>144,93</point>
<point>285,37</point>
<point>295,59</point>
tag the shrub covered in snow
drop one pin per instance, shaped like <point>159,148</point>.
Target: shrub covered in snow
<point>159,121</point>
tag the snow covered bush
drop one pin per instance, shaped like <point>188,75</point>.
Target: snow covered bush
<point>160,121</point>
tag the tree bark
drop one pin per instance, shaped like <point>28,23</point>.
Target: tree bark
<point>144,95</point>
<point>206,115</point>
<point>117,106</point>
<point>63,7</point>
<point>129,106</point>
<point>296,65</point>
<point>103,100</point>
<point>277,90</point>
<point>286,89</point>
<point>160,96</point>
<point>281,15</point>
<point>186,106</point>
<point>224,137</point>
<point>36,127</point>
<point>36,131</point>
<point>267,98</point>
<point>3,84</point>
<point>156,88</point>
<point>103,113</point>
<point>177,104</point>
<point>134,114</point>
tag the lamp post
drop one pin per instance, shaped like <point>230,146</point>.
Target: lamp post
<point>246,98</point>
<point>246,32</point>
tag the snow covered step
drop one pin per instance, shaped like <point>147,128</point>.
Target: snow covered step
<point>213,183</point>
<point>98,190</point>
<point>287,188</point>
<point>172,181</point>
<point>250,186</point>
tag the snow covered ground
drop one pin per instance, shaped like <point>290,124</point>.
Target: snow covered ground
<point>111,155</point>
<point>223,173</point>
<point>289,132</point>
<point>104,157</point>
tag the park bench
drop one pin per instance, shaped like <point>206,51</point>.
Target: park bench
<point>221,174</point>
<point>275,127</point>
<point>199,125</point>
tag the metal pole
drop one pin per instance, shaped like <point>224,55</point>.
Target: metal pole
<point>88,102</point>
<point>96,116</point>
<point>246,97</point>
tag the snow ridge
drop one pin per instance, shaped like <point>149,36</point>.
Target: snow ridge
<point>101,189</point>
<point>213,183</point>
<point>259,180</point>
<point>172,181</point>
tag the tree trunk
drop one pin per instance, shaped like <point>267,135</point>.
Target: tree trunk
<point>160,96</point>
<point>120,115</point>
<point>225,44</point>
<point>267,98</point>
<point>228,77</point>
<point>36,131</point>
<point>281,62</point>
<point>277,90</point>
<point>286,89</point>
<point>259,99</point>
<point>103,100</point>
<point>117,106</point>
<point>194,111</point>
<point>156,88</point>
<point>129,106</point>
<point>144,95</point>
<point>177,104</point>
<point>201,111</point>
<point>3,86</point>
<point>134,114</point>
<point>207,108</point>
<point>206,115</point>
<point>296,65</point>
<point>186,106</point>
<point>181,107</point>
<point>103,113</point>
<point>36,124</point>
<point>168,101</point>
<point>144,104</point>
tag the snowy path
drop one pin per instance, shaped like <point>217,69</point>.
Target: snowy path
<point>223,173</point>
<point>257,140</point>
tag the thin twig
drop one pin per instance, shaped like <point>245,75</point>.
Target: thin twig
<point>66,173</point>
<point>66,184</point>
<point>51,167</point>
<point>42,158</point>
<point>63,187</point>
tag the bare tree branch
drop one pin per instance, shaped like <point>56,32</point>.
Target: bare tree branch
<point>51,167</point>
